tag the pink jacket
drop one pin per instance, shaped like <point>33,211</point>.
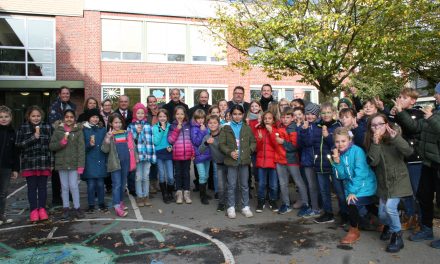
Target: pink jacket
<point>181,141</point>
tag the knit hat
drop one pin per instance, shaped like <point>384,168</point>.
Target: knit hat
<point>136,107</point>
<point>346,101</point>
<point>437,88</point>
<point>312,108</point>
<point>91,112</point>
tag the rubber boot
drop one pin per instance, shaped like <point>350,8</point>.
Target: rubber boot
<point>352,236</point>
<point>170,190</point>
<point>163,190</point>
<point>203,198</point>
<point>396,242</point>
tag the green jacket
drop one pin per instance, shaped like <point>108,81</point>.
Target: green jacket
<point>388,163</point>
<point>228,144</point>
<point>72,155</point>
<point>429,129</point>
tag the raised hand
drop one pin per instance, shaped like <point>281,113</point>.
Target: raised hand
<point>269,128</point>
<point>427,110</point>
<point>377,137</point>
<point>336,155</point>
<point>392,132</point>
<point>325,131</point>
<point>210,140</point>
<point>305,124</point>
<point>397,107</point>
<point>379,103</point>
<point>360,114</point>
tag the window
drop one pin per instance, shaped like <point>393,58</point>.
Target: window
<point>121,40</point>
<point>166,42</point>
<point>27,48</point>
<point>204,47</point>
<point>310,93</point>
<point>215,95</point>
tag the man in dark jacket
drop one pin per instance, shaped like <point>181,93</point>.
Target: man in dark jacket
<point>429,149</point>
<point>175,101</point>
<point>238,98</point>
<point>266,96</point>
<point>202,104</point>
<point>127,114</point>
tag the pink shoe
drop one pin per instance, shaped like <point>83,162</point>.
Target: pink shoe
<point>34,216</point>
<point>43,214</point>
<point>123,206</point>
<point>119,212</point>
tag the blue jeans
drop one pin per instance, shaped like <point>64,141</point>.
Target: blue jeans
<point>165,168</point>
<point>263,173</point>
<point>203,169</point>
<point>215,176</point>
<point>95,185</point>
<point>69,182</point>
<point>324,187</point>
<point>241,173</point>
<point>388,213</point>
<point>415,171</point>
<point>119,181</point>
<point>222,188</point>
<point>142,178</point>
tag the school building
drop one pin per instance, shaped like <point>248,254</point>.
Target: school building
<point>106,48</point>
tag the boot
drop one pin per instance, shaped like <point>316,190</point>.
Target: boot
<point>153,189</point>
<point>163,190</point>
<point>396,242</point>
<point>140,202</point>
<point>146,201</point>
<point>203,198</point>
<point>179,197</point>
<point>352,236</point>
<point>170,190</point>
<point>187,197</point>
<point>386,234</point>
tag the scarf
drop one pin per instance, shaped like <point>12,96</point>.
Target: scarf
<point>265,102</point>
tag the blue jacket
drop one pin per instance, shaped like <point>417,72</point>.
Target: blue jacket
<point>143,141</point>
<point>96,160</point>
<point>312,137</point>
<point>160,141</point>
<point>56,110</point>
<point>197,136</point>
<point>357,176</point>
<point>359,132</point>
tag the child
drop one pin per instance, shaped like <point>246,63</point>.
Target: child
<point>9,159</point>
<point>164,156</point>
<point>308,159</point>
<point>237,142</point>
<point>202,160</point>
<point>95,170</point>
<point>299,116</point>
<point>36,160</point>
<point>253,117</point>
<point>180,137</point>
<point>120,146</point>
<point>287,161</point>
<point>275,110</point>
<point>143,139</point>
<point>320,137</point>
<point>283,104</point>
<point>350,164</point>
<point>68,144</point>
<point>223,105</point>
<point>347,117</point>
<point>214,110</point>
<point>266,145</point>
<point>386,152</point>
<point>211,141</point>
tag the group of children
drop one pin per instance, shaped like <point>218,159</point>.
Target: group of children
<point>361,154</point>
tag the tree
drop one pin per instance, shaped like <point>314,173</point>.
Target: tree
<point>325,42</point>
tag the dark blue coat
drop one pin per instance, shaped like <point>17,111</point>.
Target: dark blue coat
<point>96,160</point>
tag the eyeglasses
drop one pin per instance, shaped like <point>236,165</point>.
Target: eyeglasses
<point>378,125</point>
<point>283,104</point>
<point>326,113</point>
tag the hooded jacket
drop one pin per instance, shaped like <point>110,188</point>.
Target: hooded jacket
<point>197,136</point>
<point>70,156</point>
<point>181,141</point>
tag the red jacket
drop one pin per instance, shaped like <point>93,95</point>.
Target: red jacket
<point>290,141</point>
<point>266,146</point>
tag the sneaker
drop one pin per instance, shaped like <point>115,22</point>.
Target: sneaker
<point>43,214</point>
<point>123,206</point>
<point>220,207</point>
<point>103,208</point>
<point>231,212</point>
<point>425,233</point>
<point>179,197</point>
<point>187,197</point>
<point>78,213</point>
<point>91,209</point>
<point>119,212</point>
<point>298,204</point>
<point>66,214</point>
<point>312,213</point>
<point>34,217</point>
<point>260,206</point>
<point>435,244</point>
<point>304,210</point>
<point>325,218</point>
<point>273,205</point>
<point>246,211</point>
<point>4,220</point>
<point>284,209</point>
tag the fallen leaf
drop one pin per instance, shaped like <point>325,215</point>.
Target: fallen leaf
<point>215,230</point>
<point>160,211</point>
<point>118,244</point>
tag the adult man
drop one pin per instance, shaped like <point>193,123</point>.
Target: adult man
<point>175,101</point>
<point>123,110</point>
<point>237,98</point>
<point>203,104</point>
<point>429,150</point>
<point>266,96</point>
<point>56,112</point>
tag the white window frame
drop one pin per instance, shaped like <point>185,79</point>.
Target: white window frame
<point>26,49</point>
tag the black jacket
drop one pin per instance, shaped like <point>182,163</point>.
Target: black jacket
<point>127,120</point>
<point>197,107</point>
<point>9,154</point>
<point>245,105</point>
<point>170,108</point>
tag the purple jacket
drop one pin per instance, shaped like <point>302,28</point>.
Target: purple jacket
<point>197,136</point>
<point>181,141</point>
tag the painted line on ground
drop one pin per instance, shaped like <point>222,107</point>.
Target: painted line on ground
<point>137,212</point>
<point>163,250</point>
<point>16,191</point>
<point>101,232</point>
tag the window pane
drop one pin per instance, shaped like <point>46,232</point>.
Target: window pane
<point>41,69</point>
<point>12,69</point>
<point>12,55</point>
<point>40,34</point>
<point>134,94</point>
<point>176,39</point>
<point>166,38</point>
<point>131,56</point>
<point>111,93</point>
<point>289,94</point>
<point>176,57</point>
<point>217,95</point>
<point>199,41</point>
<point>12,32</point>
<point>156,37</point>
<point>111,35</point>
<point>41,55</point>
<point>275,93</point>
<point>131,36</point>
<point>199,58</point>
<point>160,94</point>
<point>157,57</point>
<point>255,95</point>
<point>307,96</point>
<point>111,55</point>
